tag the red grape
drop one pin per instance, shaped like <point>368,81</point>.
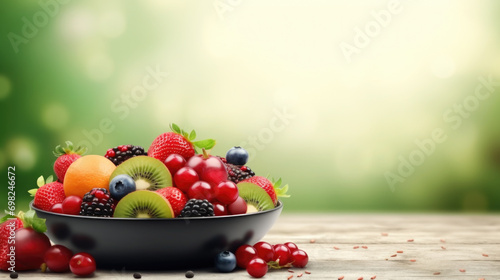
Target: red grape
<point>201,190</point>
<point>244,255</point>
<point>299,258</point>
<point>265,251</point>
<point>281,254</point>
<point>57,208</point>
<point>226,192</point>
<point>292,246</point>
<point>71,205</point>
<point>82,264</point>
<point>220,209</point>
<point>237,207</point>
<point>185,178</point>
<point>174,162</point>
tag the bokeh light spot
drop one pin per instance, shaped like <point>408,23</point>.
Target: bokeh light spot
<point>112,24</point>
<point>22,153</point>
<point>443,67</point>
<point>55,116</point>
<point>4,87</point>
<point>99,67</point>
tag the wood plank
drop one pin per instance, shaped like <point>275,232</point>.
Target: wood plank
<point>467,238</point>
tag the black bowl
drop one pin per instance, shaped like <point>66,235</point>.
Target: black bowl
<point>157,243</point>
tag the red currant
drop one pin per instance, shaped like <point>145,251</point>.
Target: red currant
<point>281,254</point>
<point>57,208</point>
<point>71,205</point>
<point>185,178</point>
<point>57,258</point>
<point>174,162</point>
<point>219,209</point>
<point>201,190</point>
<point>292,246</point>
<point>82,264</point>
<point>237,207</point>
<point>244,255</point>
<point>265,251</point>
<point>299,258</point>
<point>257,268</point>
<point>226,192</point>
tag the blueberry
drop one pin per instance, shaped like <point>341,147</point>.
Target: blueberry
<point>225,261</point>
<point>237,156</point>
<point>120,186</point>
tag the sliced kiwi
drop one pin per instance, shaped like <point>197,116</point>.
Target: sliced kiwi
<point>143,204</point>
<point>147,172</point>
<point>256,198</point>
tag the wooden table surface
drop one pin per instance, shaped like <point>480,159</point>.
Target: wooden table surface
<point>367,245</point>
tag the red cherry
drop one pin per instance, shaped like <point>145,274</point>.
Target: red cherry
<point>220,209</point>
<point>201,190</point>
<point>214,171</point>
<point>196,162</point>
<point>265,251</point>
<point>257,268</point>
<point>226,192</point>
<point>299,258</point>
<point>237,207</point>
<point>281,254</point>
<point>174,162</point>
<point>71,205</point>
<point>30,247</point>
<point>292,246</point>
<point>185,178</point>
<point>57,208</point>
<point>244,255</point>
<point>57,258</point>
<point>82,264</point>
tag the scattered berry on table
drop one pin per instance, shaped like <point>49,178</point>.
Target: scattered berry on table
<point>57,258</point>
<point>82,264</point>
<point>189,274</point>
<point>137,275</point>
<point>292,246</point>
<point>225,261</point>
<point>119,154</point>
<point>300,258</point>
<point>14,275</point>
<point>237,156</point>
<point>197,208</point>
<point>244,254</point>
<point>97,202</point>
<point>282,254</point>
<point>257,267</point>
<point>265,251</point>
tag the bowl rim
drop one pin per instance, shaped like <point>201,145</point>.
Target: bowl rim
<point>279,205</point>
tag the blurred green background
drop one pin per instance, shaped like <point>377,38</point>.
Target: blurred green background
<point>329,95</point>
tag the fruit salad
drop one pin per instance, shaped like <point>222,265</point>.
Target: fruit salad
<point>176,177</point>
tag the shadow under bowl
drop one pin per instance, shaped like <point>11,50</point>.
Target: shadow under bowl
<point>141,243</point>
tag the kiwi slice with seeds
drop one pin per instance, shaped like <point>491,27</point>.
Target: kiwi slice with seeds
<point>256,198</point>
<point>147,172</point>
<point>143,204</point>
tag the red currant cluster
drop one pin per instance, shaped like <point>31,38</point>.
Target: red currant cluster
<point>205,177</point>
<point>262,255</point>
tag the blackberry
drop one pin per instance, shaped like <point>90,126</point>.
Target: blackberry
<point>237,173</point>
<point>197,208</point>
<point>97,202</point>
<point>123,152</point>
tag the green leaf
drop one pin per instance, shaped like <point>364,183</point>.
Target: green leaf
<point>175,128</point>
<point>69,145</point>
<point>277,184</point>
<point>49,179</point>
<point>32,192</point>
<point>31,220</point>
<point>192,135</point>
<point>205,144</point>
<point>40,181</point>
<point>6,217</point>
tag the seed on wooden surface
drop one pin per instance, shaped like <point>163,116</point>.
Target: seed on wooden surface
<point>437,273</point>
<point>442,247</point>
<point>355,247</point>
<point>442,240</point>
<point>374,277</point>
<point>461,270</point>
<point>395,255</point>
<point>412,260</point>
<point>481,279</point>
<point>291,271</point>
<point>386,259</point>
<point>360,278</point>
<point>312,241</point>
<point>399,252</point>
<point>364,247</point>
<point>290,277</point>
<point>307,272</point>
<point>385,234</point>
<point>341,278</point>
<point>336,248</point>
<point>410,240</point>
<point>299,275</point>
<point>485,255</point>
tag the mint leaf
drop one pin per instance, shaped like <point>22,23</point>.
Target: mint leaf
<point>205,144</point>
<point>31,220</point>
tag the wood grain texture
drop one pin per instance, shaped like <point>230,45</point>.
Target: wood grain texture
<point>443,244</point>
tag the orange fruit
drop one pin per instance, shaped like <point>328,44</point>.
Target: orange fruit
<point>86,173</point>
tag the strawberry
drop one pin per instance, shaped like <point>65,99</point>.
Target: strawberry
<point>273,189</point>
<point>176,198</point>
<point>6,228</point>
<point>177,142</point>
<point>48,193</point>
<point>65,157</point>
